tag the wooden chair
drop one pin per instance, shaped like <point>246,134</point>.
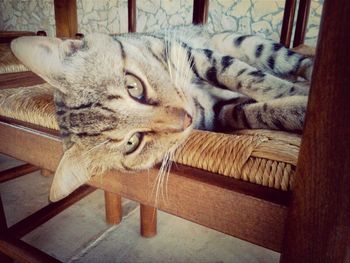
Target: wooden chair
<point>308,224</point>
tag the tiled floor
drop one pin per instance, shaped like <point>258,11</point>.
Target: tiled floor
<point>80,234</point>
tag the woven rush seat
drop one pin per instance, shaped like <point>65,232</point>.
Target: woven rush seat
<point>8,62</point>
<point>258,156</point>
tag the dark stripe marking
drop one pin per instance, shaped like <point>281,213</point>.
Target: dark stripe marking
<point>121,48</point>
<point>81,106</point>
<point>292,90</point>
<point>271,62</point>
<point>125,167</point>
<point>238,41</point>
<point>86,134</point>
<point>278,124</point>
<point>276,46</point>
<point>113,97</point>
<point>217,109</point>
<point>297,66</point>
<point>208,53</point>
<point>265,107</point>
<point>259,50</point>
<point>260,119</point>
<point>226,61</point>
<point>201,112</point>
<point>258,80</point>
<point>64,133</point>
<point>278,96</point>
<point>108,109</point>
<point>241,72</point>
<point>290,53</point>
<point>63,127</point>
<point>238,111</point>
<point>60,104</point>
<point>191,59</point>
<point>257,73</point>
<point>211,75</point>
<point>160,59</point>
<point>60,112</point>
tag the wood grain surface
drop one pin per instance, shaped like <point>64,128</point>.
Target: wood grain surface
<point>318,228</point>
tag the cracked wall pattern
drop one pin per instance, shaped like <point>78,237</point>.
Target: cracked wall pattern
<point>102,16</point>
<point>155,14</point>
<point>27,15</point>
<point>262,17</point>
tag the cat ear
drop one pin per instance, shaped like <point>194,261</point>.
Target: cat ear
<point>44,55</point>
<point>71,173</point>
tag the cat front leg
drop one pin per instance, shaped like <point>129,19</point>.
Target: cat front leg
<point>286,114</point>
<point>230,73</point>
<point>264,54</point>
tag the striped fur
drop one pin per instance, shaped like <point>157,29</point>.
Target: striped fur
<point>191,79</point>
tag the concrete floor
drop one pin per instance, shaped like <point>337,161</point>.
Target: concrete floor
<point>79,234</point>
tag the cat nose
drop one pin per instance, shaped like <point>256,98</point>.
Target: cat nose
<point>187,121</point>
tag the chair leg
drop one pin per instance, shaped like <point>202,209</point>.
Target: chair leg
<point>148,218</point>
<point>113,205</point>
<point>3,228</point>
<point>318,226</point>
<point>5,259</point>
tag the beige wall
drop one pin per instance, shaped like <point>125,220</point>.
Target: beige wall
<point>262,17</point>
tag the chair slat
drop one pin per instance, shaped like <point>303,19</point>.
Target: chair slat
<point>200,11</point>
<point>132,15</point>
<point>23,252</point>
<point>300,28</point>
<point>288,22</point>
<point>17,172</point>
<point>66,18</point>
<point>46,213</point>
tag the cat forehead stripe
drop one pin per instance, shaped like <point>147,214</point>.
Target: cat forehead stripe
<point>122,50</point>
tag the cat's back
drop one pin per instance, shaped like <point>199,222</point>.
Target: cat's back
<point>194,36</point>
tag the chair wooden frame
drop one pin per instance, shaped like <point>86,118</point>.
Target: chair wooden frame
<point>310,224</point>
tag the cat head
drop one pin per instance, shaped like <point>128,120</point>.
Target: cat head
<point>120,103</point>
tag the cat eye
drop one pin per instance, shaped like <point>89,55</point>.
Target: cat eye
<point>135,87</point>
<point>133,143</point>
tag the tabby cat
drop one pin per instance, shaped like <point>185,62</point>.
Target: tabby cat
<point>125,101</point>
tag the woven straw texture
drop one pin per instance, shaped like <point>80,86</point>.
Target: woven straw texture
<point>258,156</point>
<point>29,104</point>
<point>8,62</point>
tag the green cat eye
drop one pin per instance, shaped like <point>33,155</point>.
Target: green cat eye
<point>133,142</point>
<point>134,86</point>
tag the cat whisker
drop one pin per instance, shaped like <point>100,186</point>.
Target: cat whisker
<point>163,175</point>
<point>170,161</point>
<point>179,66</point>
<point>158,181</point>
<point>165,171</point>
<point>166,176</point>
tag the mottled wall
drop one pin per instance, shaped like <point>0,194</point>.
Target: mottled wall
<point>263,17</point>
<point>106,16</point>
<point>27,15</point>
<point>246,16</point>
<point>155,14</point>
